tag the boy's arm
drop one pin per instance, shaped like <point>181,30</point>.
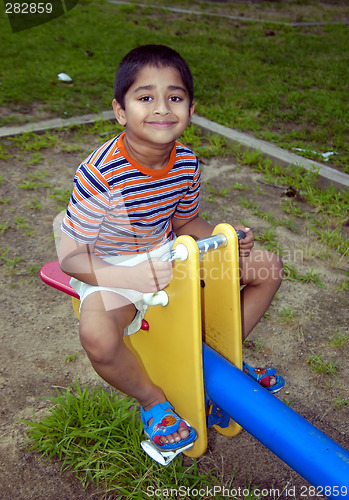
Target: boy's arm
<point>198,228</point>
<point>79,261</point>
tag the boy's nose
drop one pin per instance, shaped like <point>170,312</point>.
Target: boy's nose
<point>161,107</point>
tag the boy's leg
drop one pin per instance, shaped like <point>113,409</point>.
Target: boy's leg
<point>261,273</point>
<point>103,318</point>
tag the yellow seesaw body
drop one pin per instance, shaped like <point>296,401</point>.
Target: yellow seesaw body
<point>171,350</point>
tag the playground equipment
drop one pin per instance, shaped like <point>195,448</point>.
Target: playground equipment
<point>197,319</point>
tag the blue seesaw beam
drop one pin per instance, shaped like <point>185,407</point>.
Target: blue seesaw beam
<point>313,455</point>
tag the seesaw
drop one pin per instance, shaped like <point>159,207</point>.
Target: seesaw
<point>197,319</point>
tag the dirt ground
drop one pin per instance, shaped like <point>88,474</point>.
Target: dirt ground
<point>39,329</point>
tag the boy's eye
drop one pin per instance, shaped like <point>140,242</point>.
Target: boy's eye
<point>148,98</point>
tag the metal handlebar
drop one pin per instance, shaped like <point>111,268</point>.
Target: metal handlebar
<point>204,245</point>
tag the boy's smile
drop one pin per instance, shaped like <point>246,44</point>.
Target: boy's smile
<point>157,110</point>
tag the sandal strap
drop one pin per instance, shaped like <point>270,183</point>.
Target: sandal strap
<point>164,422</point>
<point>257,373</point>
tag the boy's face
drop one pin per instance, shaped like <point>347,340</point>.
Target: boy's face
<point>157,107</point>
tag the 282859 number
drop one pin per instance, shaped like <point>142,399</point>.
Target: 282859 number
<point>28,8</point>
<point>320,491</point>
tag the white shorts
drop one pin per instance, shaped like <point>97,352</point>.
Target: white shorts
<point>135,297</point>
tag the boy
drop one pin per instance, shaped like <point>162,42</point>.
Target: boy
<point>131,197</point>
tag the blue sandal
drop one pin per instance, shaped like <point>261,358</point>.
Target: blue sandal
<point>165,422</point>
<point>262,376</point>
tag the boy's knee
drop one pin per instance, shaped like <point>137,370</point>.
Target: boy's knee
<point>100,344</point>
<point>276,267</point>
<point>268,267</point>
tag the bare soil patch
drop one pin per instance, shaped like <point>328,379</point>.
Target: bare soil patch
<point>39,329</point>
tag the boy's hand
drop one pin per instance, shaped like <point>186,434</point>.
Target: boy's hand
<point>245,245</point>
<point>152,275</point>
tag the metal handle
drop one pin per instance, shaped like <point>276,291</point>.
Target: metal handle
<point>204,245</point>
<point>219,240</point>
<point>211,243</point>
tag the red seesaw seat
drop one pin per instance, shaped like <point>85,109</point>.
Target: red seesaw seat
<point>52,275</point>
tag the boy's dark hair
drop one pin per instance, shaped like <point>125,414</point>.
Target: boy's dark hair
<point>152,55</point>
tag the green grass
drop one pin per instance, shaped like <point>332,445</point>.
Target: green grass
<point>340,403</point>
<point>34,181</point>
<point>97,435</point>
<point>286,315</point>
<point>295,11</point>
<point>324,211</point>
<point>35,142</point>
<point>62,196</point>
<point>289,88</point>
<point>9,263</point>
<point>319,365</point>
<point>338,340</point>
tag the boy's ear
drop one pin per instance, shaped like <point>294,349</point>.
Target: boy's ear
<point>119,113</point>
<point>191,110</point>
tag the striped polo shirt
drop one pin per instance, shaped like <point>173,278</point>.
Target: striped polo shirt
<point>122,207</point>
